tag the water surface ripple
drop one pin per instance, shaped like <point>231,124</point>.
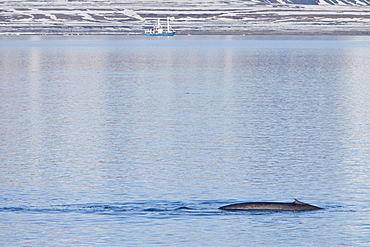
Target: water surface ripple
<point>136,141</point>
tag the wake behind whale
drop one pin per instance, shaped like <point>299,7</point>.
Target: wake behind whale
<point>279,206</point>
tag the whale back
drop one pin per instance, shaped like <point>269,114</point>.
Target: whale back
<point>279,206</point>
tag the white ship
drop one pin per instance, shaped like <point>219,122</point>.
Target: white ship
<point>158,30</point>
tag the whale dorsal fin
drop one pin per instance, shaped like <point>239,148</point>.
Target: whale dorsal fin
<point>298,202</point>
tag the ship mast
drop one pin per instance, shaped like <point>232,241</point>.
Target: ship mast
<point>168,24</point>
<point>158,24</point>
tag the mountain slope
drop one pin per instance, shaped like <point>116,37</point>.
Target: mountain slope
<point>188,17</point>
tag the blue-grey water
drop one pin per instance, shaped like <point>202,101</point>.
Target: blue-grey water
<point>136,141</point>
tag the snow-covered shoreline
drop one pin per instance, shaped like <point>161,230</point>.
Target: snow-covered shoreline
<point>188,17</point>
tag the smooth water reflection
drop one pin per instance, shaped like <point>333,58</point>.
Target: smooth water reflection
<point>138,141</point>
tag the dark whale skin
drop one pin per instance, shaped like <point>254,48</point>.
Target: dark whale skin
<point>278,206</point>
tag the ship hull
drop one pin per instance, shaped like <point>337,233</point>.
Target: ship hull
<point>160,34</point>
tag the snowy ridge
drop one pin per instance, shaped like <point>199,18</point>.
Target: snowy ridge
<point>321,2</point>
<point>188,17</point>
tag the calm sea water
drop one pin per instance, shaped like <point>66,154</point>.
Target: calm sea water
<point>136,141</point>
